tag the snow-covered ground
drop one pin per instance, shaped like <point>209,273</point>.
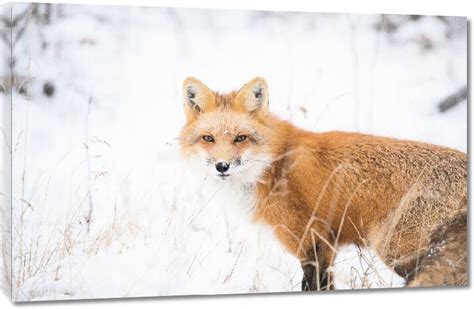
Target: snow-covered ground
<point>105,138</point>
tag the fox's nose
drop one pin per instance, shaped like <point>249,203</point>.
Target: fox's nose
<point>222,167</point>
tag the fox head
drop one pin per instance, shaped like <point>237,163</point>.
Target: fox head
<point>229,135</point>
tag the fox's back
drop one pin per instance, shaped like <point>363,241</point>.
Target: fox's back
<point>397,166</point>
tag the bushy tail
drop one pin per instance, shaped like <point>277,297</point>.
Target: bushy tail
<point>445,262</point>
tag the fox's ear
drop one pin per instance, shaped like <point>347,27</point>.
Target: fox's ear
<point>253,96</point>
<point>197,97</point>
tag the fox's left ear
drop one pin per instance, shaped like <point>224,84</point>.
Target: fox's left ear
<point>253,96</point>
<point>197,97</point>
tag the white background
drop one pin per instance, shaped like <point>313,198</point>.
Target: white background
<point>431,298</point>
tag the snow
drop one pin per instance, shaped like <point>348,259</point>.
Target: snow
<point>107,137</point>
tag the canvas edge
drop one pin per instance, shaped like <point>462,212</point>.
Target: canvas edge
<point>6,11</point>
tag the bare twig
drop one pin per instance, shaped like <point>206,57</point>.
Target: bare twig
<point>452,100</point>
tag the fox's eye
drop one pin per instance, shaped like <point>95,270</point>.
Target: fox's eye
<point>240,138</point>
<point>208,138</point>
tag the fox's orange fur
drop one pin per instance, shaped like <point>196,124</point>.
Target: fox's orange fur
<point>322,190</point>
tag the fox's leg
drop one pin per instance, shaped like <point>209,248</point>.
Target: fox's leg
<point>316,274</point>
<point>445,261</point>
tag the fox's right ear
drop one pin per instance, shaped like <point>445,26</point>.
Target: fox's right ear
<point>253,96</point>
<point>197,97</point>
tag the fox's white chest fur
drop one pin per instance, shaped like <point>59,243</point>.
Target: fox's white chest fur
<point>230,196</point>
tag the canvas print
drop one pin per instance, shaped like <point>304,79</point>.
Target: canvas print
<point>154,151</point>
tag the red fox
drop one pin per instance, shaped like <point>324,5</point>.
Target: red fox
<point>406,200</point>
